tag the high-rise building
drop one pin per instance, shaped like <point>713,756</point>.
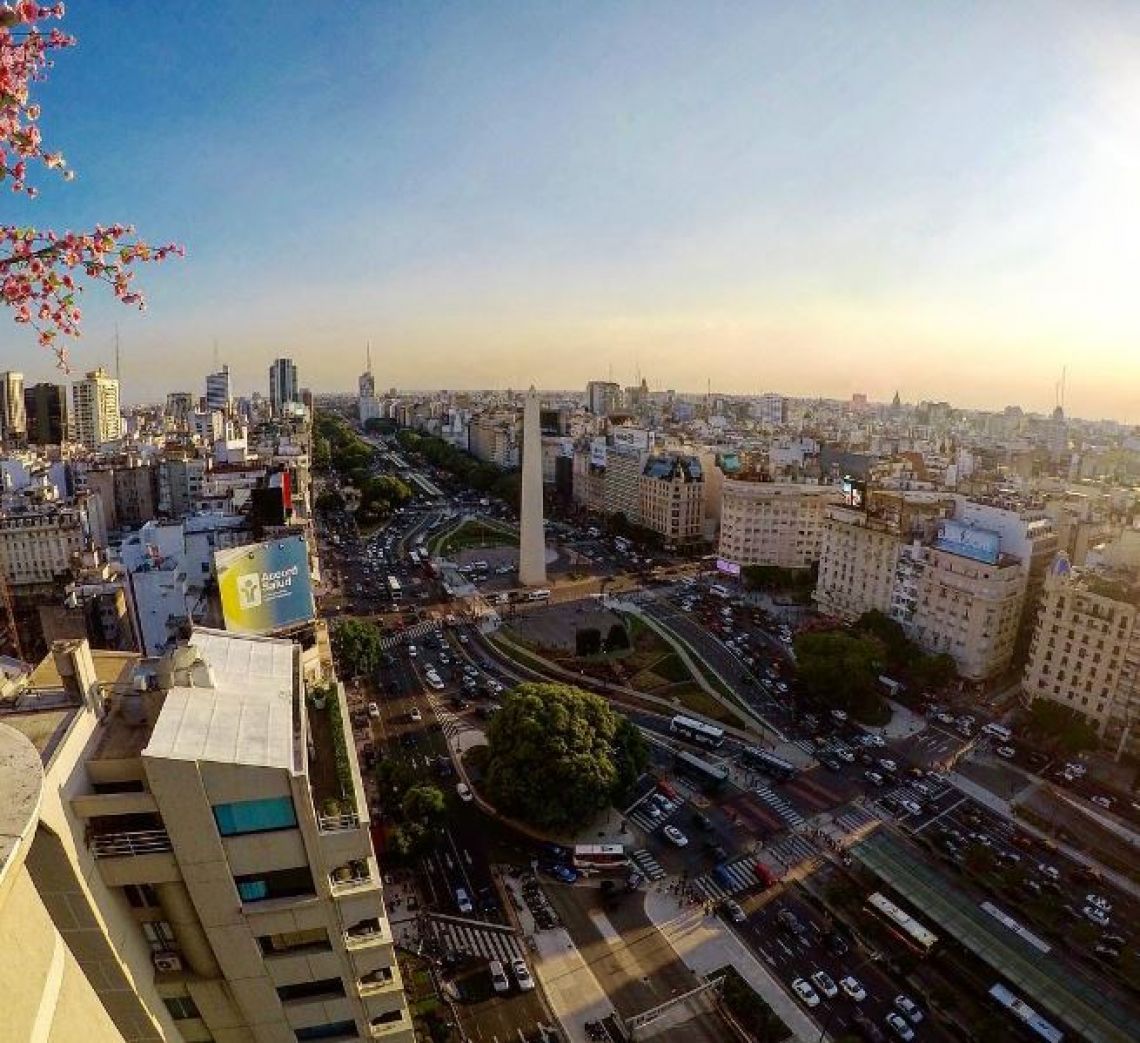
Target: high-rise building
<point>603,397</point>
<point>771,409</point>
<point>179,406</point>
<point>13,419</point>
<point>284,387</point>
<point>219,391</point>
<point>49,418</point>
<point>204,850</point>
<point>97,417</point>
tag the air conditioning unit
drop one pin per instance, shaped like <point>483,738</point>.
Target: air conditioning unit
<point>167,961</point>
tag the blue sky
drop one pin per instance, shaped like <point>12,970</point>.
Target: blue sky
<point>812,198</point>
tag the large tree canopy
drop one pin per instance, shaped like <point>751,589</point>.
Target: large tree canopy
<point>357,646</point>
<point>559,755</point>
<point>839,669</point>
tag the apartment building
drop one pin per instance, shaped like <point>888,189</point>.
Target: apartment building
<point>97,417</point>
<point>1085,653</point>
<point>200,849</point>
<point>859,556</point>
<point>603,397</point>
<point>219,391</point>
<point>496,438</point>
<point>39,543</point>
<point>672,498</point>
<point>773,523</point>
<point>13,417</point>
<point>48,414</point>
<point>284,387</point>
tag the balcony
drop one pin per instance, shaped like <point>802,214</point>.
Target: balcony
<point>391,1027</point>
<point>379,983</point>
<point>338,823</point>
<point>131,844</point>
<point>367,933</point>
<point>352,876</point>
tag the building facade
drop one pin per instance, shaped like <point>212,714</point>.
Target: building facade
<point>773,523</point>
<point>495,438</point>
<point>96,412</point>
<point>284,387</point>
<point>48,415</point>
<point>39,545</point>
<point>219,391</point>
<point>672,498</point>
<point>13,418</point>
<point>603,397</point>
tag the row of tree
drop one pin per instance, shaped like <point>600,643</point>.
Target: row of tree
<point>463,467</point>
<point>336,446</point>
<point>356,645</point>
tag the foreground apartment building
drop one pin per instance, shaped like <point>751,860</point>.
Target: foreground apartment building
<point>200,847</point>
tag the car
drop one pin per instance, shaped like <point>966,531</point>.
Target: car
<point>1106,952</point>
<point>412,652</point>
<point>1047,870</point>
<point>874,739</point>
<point>790,922</point>
<point>874,778</point>
<point>522,974</point>
<point>463,901</point>
<point>830,763</point>
<point>654,810</point>
<point>1008,752</point>
<point>1103,801</point>
<point>499,980</point>
<point>837,945</point>
<point>888,765</point>
<point>1117,941</point>
<point>822,981</point>
<point>899,1026</point>
<point>1097,916</point>
<point>844,754</point>
<point>909,1008</point>
<point>565,874</point>
<point>853,988</point>
<point>911,807</point>
<point>464,792</point>
<point>805,992</point>
<point>1100,902</point>
<point>944,718</point>
<point>702,821</point>
<point>675,836</point>
<point>733,911</point>
<point>665,803</point>
<point>839,716</point>
<point>415,715</point>
<point>374,711</point>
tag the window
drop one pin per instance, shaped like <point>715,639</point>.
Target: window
<point>159,935</point>
<point>278,883</point>
<point>255,816</point>
<point>140,896</point>
<point>336,1028</point>
<point>314,940</point>
<point>306,989</point>
<point>181,1007</point>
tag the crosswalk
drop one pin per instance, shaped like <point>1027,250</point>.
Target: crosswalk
<point>648,864</point>
<point>425,626</point>
<point>854,818</point>
<point>778,804</point>
<point>792,850</point>
<point>807,745</point>
<point>486,940</point>
<point>729,879</point>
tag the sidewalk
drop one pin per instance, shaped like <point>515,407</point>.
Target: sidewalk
<point>1002,807</point>
<point>705,944</point>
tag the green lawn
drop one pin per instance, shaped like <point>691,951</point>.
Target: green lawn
<point>473,534</point>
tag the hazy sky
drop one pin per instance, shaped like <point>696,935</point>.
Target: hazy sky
<point>811,198</point>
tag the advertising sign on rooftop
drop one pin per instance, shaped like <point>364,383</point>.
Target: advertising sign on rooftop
<point>967,541</point>
<point>265,586</point>
<point>598,452</point>
<point>729,568</point>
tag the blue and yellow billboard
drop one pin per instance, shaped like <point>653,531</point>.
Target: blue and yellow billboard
<point>265,586</point>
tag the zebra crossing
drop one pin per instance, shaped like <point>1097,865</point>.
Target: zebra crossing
<point>727,880</point>
<point>648,865</point>
<point>854,818</point>
<point>807,745</point>
<point>425,626</point>
<point>792,850</point>
<point>778,804</point>
<point>486,940</point>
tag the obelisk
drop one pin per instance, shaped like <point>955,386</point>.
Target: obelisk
<point>532,542</point>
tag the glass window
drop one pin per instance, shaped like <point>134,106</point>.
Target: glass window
<point>181,1007</point>
<point>336,1028</point>
<point>293,941</point>
<point>305,989</point>
<point>277,883</point>
<point>255,816</point>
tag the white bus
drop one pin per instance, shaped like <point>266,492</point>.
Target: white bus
<point>697,731</point>
<point>600,856</point>
<point>906,926</point>
<point>538,595</point>
<point>1024,1013</point>
<point>394,589</point>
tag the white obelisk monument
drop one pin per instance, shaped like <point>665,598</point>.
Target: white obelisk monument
<point>532,542</point>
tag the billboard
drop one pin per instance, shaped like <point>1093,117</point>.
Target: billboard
<point>265,586</point>
<point>729,568</point>
<point>598,452</point>
<point>632,438</point>
<point>855,493</point>
<point>968,542</point>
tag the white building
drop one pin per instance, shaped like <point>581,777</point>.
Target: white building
<point>773,523</point>
<point>97,417</point>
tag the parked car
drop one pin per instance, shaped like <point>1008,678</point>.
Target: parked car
<point>1097,916</point>
<point>898,1025</point>
<point>522,974</point>
<point>805,992</point>
<point>874,778</point>
<point>853,988</point>
<point>499,980</point>
<point>463,901</point>
<point>909,1008</point>
<point>464,792</point>
<point>675,836</point>
<point>1008,752</point>
<point>822,981</point>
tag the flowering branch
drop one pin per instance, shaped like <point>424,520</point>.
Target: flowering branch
<point>38,272</point>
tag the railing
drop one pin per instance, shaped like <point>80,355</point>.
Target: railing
<point>378,984</point>
<point>368,932</point>
<point>338,823</point>
<point>125,845</point>
<point>350,882</point>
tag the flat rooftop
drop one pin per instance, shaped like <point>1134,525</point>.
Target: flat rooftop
<point>238,711</point>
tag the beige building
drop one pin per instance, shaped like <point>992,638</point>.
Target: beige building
<point>1085,653</point>
<point>672,498</point>
<point>200,850</point>
<point>39,544</point>
<point>858,559</point>
<point>495,438</point>
<point>47,997</point>
<point>95,415</point>
<point>773,523</point>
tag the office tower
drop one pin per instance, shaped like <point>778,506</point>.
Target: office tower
<point>532,544</point>
<point>96,406</point>
<point>603,397</point>
<point>283,385</point>
<point>48,414</point>
<point>219,392</point>
<point>179,406</point>
<point>13,422</point>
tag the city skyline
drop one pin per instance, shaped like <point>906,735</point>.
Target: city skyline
<point>811,201</point>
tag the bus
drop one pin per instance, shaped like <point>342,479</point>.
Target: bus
<point>538,595</point>
<point>904,925</point>
<point>1027,1015</point>
<point>600,856</point>
<point>710,777</point>
<point>697,731</point>
<point>394,590</point>
<point>768,763</point>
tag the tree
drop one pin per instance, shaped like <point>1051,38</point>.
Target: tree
<point>617,638</point>
<point>40,269</point>
<point>551,757</point>
<point>839,670</point>
<point>357,646</point>
<point>426,805</point>
<point>330,500</point>
<point>631,756</point>
<point>1071,732</point>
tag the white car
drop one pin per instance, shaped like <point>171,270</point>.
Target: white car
<point>1097,916</point>
<point>853,988</point>
<point>1099,902</point>
<point>888,765</point>
<point>522,975</point>
<point>665,803</point>
<point>875,739</point>
<point>1008,752</point>
<point>412,651</point>
<point>374,711</point>
<point>901,1029</point>
<point>464,792</point>
<point>805,992</point>
<point>909,1008</point>
<point>675,836</point>
<point>1102,801</point>
<point>415,715</point>
<point>910,807</point>
<point>499,980</point>
<point>844,754</point>
<point>1047,870</point>
<point>822,981</point>
<point>463,901</point>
